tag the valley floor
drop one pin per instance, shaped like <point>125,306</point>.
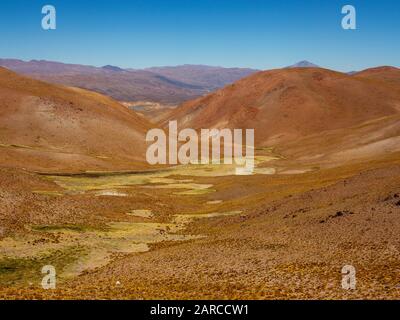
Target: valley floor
<point>190,234</point>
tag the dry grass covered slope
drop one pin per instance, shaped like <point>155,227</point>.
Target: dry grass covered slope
<point>55,127</point>
<point>331,199</point>
<point>385,73</point>
<point>286,104</point>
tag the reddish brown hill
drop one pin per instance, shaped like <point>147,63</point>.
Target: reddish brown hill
<point>390,75</point>
<point>290,103</point>
<point>44,126</point>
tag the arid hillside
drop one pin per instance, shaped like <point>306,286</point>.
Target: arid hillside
<point>45,126</point>
<point>286,104</point>
<point>389,75</point>
<point>324,194</point>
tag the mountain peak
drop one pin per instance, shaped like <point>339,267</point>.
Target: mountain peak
<point>304,64</point>
<point>112,68</point>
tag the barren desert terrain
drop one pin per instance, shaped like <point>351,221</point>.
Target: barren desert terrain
<point>77,194</point>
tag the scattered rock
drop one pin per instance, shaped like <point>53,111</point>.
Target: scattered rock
<point>337,215</point>
<point>303,210</point>
<point>341,213</point>
<point>391,197</point>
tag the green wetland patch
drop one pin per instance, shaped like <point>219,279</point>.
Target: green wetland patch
<point>77,248</point>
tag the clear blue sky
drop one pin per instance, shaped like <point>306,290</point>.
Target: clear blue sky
<point>246,33</point>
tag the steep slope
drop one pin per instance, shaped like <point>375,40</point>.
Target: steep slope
<point>286,104</point>
<point>46,126</point>
<point>373,141</point>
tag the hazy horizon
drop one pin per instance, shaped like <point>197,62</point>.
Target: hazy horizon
<point>191,64</point>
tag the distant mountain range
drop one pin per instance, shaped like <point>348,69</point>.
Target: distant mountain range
<point>203,76</point>
<point>166,85</point>
<point>170,85</point>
